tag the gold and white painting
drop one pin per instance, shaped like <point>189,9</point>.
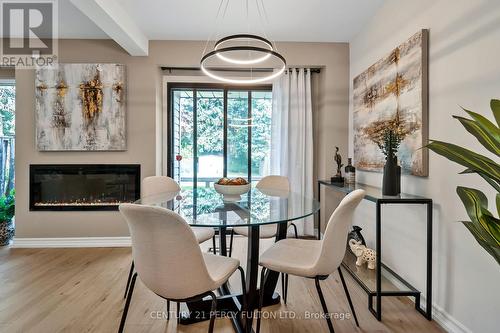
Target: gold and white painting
<point>392,94</point>
<point>80,107</point>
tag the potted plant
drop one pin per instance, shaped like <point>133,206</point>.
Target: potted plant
<point>483,225</point>
<point>7,207</point>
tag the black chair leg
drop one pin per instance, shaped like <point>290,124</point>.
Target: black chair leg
<point>178,312</point>
<point>323,304</point>
<point>127,303</point>
<point>348,296</point>
<point>231,243</point>
<point>214,245</point>
<point>261,297</point>
<point>168,310</point>
<point>295,230</point>
<point>213,313</point>
<point>283,285</point>
<point>286,288</point>
<point>129,277</point>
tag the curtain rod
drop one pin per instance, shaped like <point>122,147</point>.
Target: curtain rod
<point>256,70</point>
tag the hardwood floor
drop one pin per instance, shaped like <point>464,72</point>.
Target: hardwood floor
<point>81,290</point>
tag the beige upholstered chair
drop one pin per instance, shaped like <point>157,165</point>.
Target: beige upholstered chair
<point>161,242</point>
<point>268,185</point>
<point>315,259</point>
<point>158,184</point>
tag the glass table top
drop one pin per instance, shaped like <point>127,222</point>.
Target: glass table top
<point>374,193</point>
<point>205,207</point>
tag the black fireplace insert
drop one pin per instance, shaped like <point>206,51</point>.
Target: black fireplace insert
<point>83,186</point>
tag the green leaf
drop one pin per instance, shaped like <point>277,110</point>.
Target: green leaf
<point>494,251</point>
<point>484,131</point>
<point>467,158</point>
<point>490,181</point>
<point>495,107</point>
<point>476,205</point>
<point>498,203</point>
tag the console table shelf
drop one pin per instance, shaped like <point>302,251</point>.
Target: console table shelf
<point>383,281</point>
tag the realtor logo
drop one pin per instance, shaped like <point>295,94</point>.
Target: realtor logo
<point>28,30</point>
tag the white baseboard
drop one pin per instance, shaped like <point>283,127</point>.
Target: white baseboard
<point>447,321</point>
<point>443,318</point>
<point>71,242</point>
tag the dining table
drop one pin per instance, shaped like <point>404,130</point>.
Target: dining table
<point>204,207</point>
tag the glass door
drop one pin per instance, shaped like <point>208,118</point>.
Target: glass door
<point>218,132</point>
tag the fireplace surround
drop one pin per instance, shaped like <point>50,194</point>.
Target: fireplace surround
<point>83,187</point>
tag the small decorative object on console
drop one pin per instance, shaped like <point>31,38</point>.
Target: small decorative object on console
<point>356,235</point>
<point>338,176</point>
<point>350,173</point>
<point>364,254</point>
<point>391,183</point>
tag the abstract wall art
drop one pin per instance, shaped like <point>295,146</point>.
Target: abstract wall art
<point>80,107</point>
<point>392,94</point>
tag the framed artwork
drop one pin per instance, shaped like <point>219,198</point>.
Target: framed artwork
<point>393,94</point>
<point>80,107</point>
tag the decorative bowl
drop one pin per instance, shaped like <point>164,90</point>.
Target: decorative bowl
<point>232,192</point>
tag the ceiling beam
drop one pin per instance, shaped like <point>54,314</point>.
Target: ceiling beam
<point>110,16</point>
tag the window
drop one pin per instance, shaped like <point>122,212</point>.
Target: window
<point>218,131</point>
<point>7,135</point>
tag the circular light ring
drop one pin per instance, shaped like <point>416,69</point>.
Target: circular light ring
<point>243,36</point>
<point>242,48</point>
<point>240,36</point>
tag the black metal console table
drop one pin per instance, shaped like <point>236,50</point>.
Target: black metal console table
<point>375,283</point>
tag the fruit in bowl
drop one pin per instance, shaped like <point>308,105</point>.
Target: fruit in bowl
<point>232,189</point>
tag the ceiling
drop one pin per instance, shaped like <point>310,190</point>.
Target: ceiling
<point>288,20</point>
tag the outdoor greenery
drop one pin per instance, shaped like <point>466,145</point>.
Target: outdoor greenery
<point>7,107</point>
<point>7,206</point>
<point>210,124</point>
<point>484,226</point>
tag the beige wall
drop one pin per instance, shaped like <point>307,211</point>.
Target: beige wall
<point>464,69</point>
<point>144,104</point>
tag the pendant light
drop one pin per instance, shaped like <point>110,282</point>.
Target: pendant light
<point>242,53</point>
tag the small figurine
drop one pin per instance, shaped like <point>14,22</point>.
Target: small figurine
<point>363,254</point>
<point>356,235</point>
<point>338,159</point>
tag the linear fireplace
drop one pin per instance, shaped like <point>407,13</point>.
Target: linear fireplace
<point>83,186</point>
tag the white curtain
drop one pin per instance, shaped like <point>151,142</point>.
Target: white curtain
<point>292,137</point>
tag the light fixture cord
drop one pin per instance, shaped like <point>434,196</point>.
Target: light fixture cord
<point>216,21</point>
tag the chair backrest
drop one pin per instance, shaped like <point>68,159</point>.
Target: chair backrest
<point>157,184</point>
<point>166,254</point>
<point>335,239</point>
<point>279,183</point>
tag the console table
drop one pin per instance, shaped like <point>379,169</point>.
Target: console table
<point>375,283</point>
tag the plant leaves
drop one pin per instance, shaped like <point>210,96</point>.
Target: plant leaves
<point>498,203</point>
<point>495,107</point>
<point>494,251</point>
<point>476,205</point>
<point>467,158</point>
<point>484,131</point>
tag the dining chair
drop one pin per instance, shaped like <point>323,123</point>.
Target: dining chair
<point>169,261</point>
<point>158,184</point>
<point>315,259</point>
<point>270,185</point>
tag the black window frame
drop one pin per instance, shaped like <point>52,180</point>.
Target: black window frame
<point>171,86</point>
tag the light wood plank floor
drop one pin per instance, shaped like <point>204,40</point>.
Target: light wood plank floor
<point>81,290</point>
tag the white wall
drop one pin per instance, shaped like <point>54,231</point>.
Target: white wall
<point>464,70</point>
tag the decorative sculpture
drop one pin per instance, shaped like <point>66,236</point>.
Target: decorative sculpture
<point>356,235</point>
<point>364,254</point>
<point>338,176</point>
